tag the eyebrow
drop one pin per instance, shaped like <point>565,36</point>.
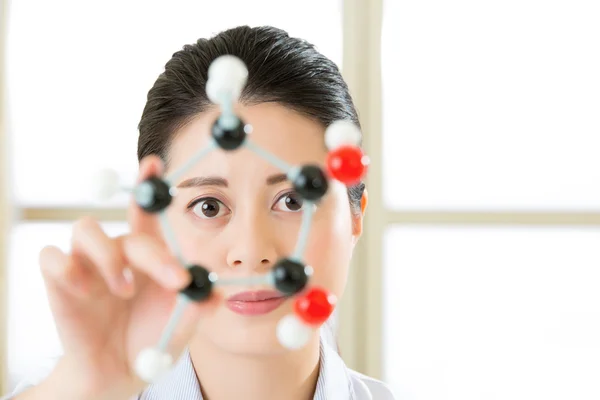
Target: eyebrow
<point>200,181</point>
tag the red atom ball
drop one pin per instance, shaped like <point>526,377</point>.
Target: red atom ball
<point>315,306</point>
<point>347,164</point>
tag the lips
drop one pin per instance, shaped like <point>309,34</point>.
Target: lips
<point>256,302</point>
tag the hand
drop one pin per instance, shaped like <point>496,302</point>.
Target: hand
<point>111,298</point>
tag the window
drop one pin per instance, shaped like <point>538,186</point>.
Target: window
<point>490,312</point>
<point>85,69</point>
<point>491,192</point>
<point>491,105</point>
<point>77,76</point>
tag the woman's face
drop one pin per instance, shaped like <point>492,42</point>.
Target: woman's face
<point>240,224</point>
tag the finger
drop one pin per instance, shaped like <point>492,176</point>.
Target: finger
<point>67,288</point>
<point>148,255</point>
<point>91,242</point>
<point>139,220</point>
<point>61,271</point>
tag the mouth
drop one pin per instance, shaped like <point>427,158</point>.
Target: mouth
<point>255,303</point>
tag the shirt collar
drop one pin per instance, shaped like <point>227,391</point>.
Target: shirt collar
<point>181,383</point>
<point>334,382</point>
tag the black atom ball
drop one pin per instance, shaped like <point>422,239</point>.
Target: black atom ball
<point>311,183</point>
<point>201,286</point>
<point>153,195</point>
<point>229,139</point>
<point>290,276</point>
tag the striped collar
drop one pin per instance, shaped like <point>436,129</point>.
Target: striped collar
<point>181,383</point>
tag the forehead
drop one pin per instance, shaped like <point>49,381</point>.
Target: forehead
<point>281,131</point>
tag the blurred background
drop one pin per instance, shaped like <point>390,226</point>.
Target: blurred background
<point>478,274</point>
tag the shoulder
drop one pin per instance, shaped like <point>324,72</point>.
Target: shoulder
<point>367,388</point>
<point>338,381</point>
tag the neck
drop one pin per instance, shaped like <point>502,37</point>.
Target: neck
<point>225,375</point>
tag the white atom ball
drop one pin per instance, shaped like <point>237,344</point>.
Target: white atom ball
<point>151,364</point>
<point>342,133</point>
<point>104,185</point>
<point>227,76</point>
<point>292,333</point>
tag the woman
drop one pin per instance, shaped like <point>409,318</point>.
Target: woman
<point>112,297</point>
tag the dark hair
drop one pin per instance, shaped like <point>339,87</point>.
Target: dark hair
<point>281,69</point>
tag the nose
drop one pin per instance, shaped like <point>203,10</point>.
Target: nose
<point>252,244</point>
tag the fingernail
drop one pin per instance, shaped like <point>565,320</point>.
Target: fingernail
<point>124,282</point>
<point>175,276</point>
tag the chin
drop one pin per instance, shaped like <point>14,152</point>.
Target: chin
<point>246,333</point>
<point>252,344</point>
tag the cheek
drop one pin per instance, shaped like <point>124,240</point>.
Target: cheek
<point>193,242</point>
<point>330,246</point>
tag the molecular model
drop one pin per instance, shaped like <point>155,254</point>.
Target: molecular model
<point>345,163</point>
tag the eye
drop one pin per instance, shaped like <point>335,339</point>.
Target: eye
<point>208,208</point>
<point>290,202</point>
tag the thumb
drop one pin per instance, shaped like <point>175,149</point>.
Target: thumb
<point>193,313</point>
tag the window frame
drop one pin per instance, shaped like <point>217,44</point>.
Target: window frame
<point>5,207</point>
<point>360,318</point>
<point>361,323</point>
